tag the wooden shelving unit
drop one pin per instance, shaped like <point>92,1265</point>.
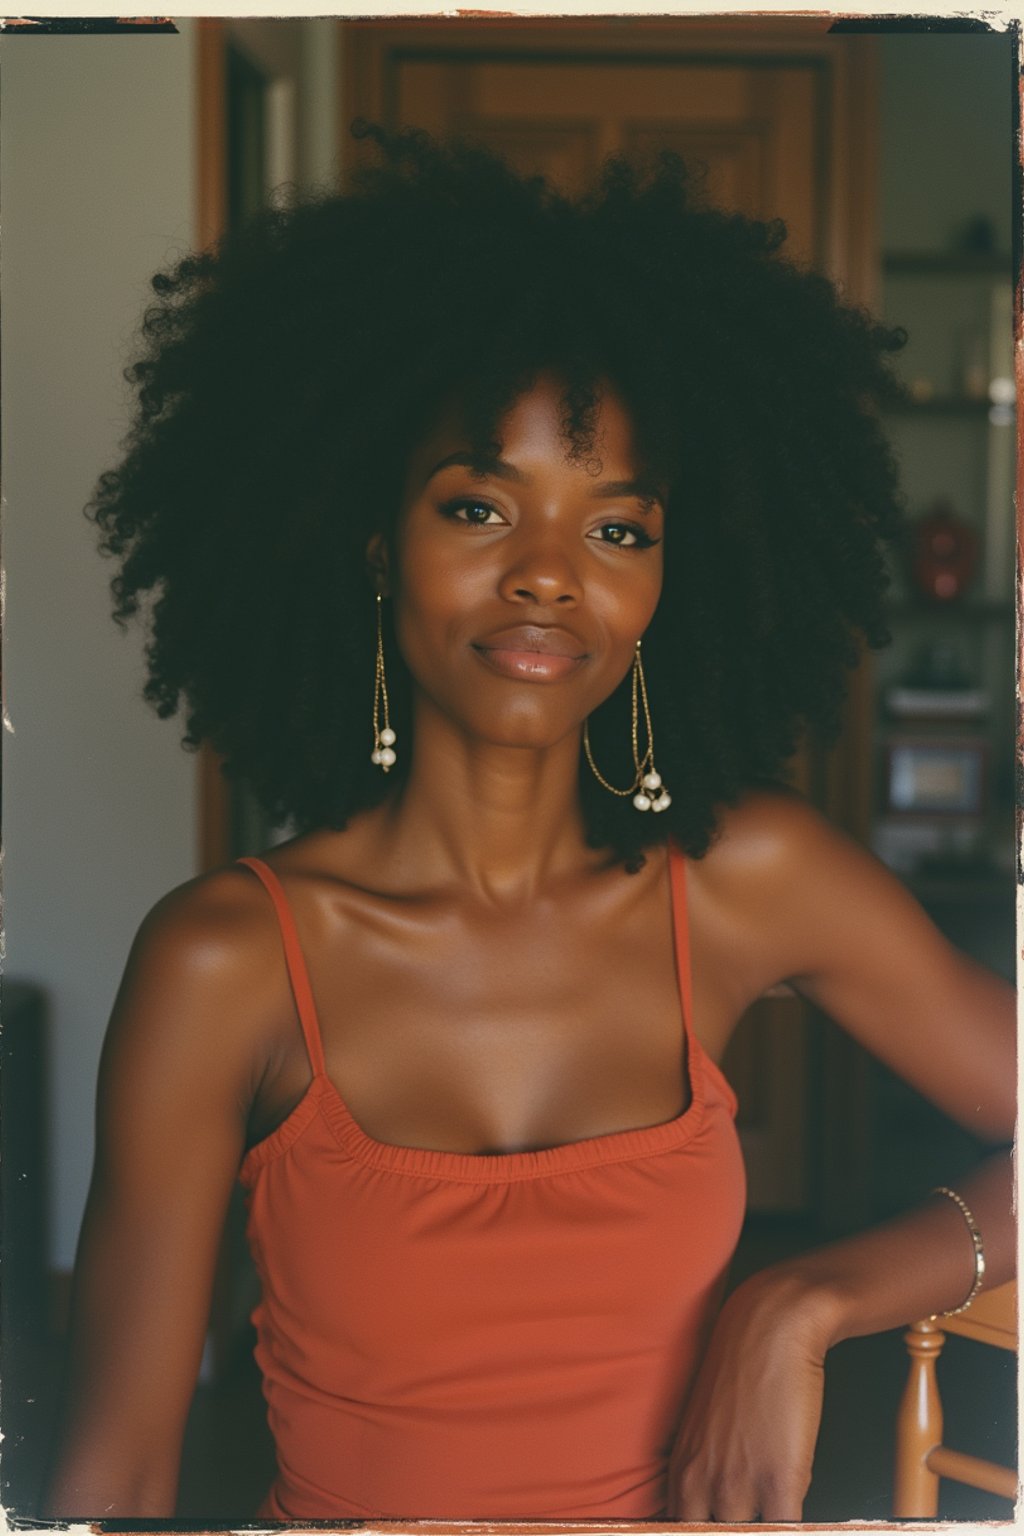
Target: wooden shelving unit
<point>951,445</point>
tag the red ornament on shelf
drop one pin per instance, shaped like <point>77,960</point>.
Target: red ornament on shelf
<point>944,552</point>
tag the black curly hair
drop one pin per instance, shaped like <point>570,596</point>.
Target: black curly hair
<point>287,375</point>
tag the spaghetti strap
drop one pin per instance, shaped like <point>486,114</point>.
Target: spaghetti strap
<point>681,928</point>
<point>297,972</point>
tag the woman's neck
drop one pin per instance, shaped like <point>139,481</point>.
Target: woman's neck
<point>501,821</point>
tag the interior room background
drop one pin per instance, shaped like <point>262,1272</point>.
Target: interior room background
<point>891,158</point>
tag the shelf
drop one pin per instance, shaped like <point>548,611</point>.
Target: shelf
<point>942,405</point>
<point>941,264</point>
<point>985,612</point>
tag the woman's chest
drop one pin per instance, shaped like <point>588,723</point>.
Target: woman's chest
<point>471,1027</point>
<point>496,1033</point>
<point>457,1027</point>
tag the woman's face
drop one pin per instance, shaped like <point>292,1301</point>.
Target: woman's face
<point>522,584</point>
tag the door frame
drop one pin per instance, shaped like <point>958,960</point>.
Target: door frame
<point>274,46</point>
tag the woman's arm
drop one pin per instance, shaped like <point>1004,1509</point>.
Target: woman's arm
<point>840,930</point>
<point>176,1078</point>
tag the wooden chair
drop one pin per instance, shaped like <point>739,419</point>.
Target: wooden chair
<point>921,1457</point>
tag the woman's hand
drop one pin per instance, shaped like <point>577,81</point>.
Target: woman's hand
<point>746,1442</point>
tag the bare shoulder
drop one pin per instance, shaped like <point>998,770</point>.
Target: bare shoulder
<point>777,847</point>
<point>213,928</point>
<point>206,973</point>
<point>788,891</point>
<point>769,836</point>
<point>784,896</point>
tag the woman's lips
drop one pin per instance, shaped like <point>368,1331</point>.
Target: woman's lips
<point>533,666</point>
<point>532,653</point>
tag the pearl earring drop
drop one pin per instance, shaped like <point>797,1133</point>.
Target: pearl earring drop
<point>384,738</point>
<point>652,801</point>
<point>647,781</point>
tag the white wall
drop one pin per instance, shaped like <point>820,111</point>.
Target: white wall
<point>100,805</point>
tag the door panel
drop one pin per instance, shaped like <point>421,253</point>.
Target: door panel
<point>754,129</point>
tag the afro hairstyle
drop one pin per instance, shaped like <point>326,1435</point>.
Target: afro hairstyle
<point>286,375</point>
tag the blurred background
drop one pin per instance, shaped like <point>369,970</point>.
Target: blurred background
<point>890,156</point>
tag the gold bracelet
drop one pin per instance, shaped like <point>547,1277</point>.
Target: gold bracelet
<point>979,1252</point>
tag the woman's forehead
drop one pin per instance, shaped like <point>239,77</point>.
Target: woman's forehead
<point>536,424</point>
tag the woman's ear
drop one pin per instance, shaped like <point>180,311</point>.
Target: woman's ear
<point>378,562</point>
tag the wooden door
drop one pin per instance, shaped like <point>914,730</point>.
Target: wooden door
<point>770,113</point>
<point>753,129</point>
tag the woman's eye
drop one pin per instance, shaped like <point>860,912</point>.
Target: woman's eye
<point>479,513</point>
<point>624,535</point>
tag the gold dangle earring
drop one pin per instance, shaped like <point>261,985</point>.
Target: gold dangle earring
<point>383,753</point>
<point>647,790</point>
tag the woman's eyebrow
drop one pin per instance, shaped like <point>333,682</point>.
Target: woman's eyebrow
<point>643,490</point>
<point>481,464</point>
<point>490,464</point>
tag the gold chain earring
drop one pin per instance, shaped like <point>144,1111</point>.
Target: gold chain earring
<point>646,780</point>
<point>383,753</point>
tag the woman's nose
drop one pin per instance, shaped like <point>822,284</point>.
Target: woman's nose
<point>541,572</point>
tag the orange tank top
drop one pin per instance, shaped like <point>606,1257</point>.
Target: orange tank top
<point>501,1336</point>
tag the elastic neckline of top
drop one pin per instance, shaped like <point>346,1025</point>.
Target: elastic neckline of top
<point>510,1167</point>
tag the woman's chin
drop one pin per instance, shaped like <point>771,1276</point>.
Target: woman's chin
<point>538,740</point>
<point>502,735</point>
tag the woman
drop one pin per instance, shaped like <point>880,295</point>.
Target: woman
<point>506,545</point>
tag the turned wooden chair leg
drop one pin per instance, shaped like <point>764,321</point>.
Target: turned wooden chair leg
<point>919,1425</point>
